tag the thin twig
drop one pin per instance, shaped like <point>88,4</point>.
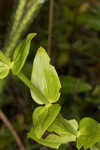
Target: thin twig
<point>15,135</point>
<point>50,26</point>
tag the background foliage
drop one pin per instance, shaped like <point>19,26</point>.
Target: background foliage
<point>76,55</point>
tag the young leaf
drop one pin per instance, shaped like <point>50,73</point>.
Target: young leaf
<point>45,78</point>
<point>88,134</point>
<point>43,117</point>
<point>64,127</point>
<point>21,53</point>
<point>4,70</point>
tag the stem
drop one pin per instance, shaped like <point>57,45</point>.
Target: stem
<point>22,26</point>
<point>15,135</point>
<point>16,20</point>
<point>17,17</point>
<point>75,19</point>
<point>50,26</point>
<point>37,92</point>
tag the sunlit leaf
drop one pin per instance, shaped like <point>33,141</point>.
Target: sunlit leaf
<point>96,146</point>
<point>21,53</point>
<point>52,140</point>
<point>62,127</point>
<point>45,78</point>
<point>61,139</point>
<point>43,117</point>
<point>4,59</point>
<point>88,134</point>
<point>46,142</point>
<point>4,70</point>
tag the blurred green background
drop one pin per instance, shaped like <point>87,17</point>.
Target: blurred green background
<point>76,55</point>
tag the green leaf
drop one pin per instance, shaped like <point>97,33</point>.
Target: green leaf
<point>61,139</point>
<point>4,59</point>
<point>50,142</point>
<point>4,70</point>
<point>96,146</point>
<point>88,134</point>
<point>21,53</point>
<point>43,117</point>
<point>45,78</point>
<point>62,132</point>
<point>71,84</point>
<point>62,147</point>
<point>93,22</point>
<point>64,127</point>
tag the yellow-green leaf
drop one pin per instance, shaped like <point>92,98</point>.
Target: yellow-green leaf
<point>96,146</point>
<point>43,117</point>
<point>45,78</point>
<point>50,142</point>
<point>4,70</point>
<point>62,133</point>
<point>4,59</point>
<point>88,134</point>
<point>21,53</point>
<point>61,139</point>
<point>64,127</point>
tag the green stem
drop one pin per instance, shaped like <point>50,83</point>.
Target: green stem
<point>16,21</point>
<point>22,26</point>
<point>50,26</point>
<point>38,93</point>
<point>17,17</point>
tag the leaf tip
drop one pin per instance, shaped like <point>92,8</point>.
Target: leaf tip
<point>30,36</point>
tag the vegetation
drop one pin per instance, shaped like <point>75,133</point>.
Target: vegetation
<point>62,111</point>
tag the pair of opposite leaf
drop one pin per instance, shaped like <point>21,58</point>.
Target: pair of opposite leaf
<point>59,130</point>
<point>62,131</point>
<point>19,58</point>
<point>45,78</point>
<point>47,118</point>
<point>44,75</point>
